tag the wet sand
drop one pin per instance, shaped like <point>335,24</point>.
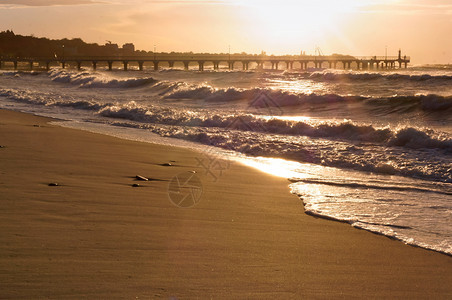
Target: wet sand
<point>96,236</point>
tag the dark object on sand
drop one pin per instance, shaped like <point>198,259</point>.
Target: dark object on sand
<point>167,164</point>
<point>135,185</point>
<point>53,184</point>
<point>2,146</point>
<point>142,178</point>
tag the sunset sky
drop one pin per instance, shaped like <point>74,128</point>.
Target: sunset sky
<point>422,28</point>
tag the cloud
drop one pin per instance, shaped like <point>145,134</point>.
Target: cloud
<point>45,2</point>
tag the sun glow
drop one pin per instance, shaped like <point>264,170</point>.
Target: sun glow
<point>301,23</point>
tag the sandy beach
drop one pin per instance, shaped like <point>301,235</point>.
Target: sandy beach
<point>96,236</point>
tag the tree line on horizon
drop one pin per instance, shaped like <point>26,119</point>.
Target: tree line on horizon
<point>15,45</point>
<point>18,46</point>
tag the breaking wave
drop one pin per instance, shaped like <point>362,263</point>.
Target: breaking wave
<point>94,80</point>
<point>360,76</point>
<point>259,97</point>
<point>407,137</point>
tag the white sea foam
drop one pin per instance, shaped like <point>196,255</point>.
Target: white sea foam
<point>403,209</point>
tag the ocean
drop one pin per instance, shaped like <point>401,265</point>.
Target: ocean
<point>370,148</point>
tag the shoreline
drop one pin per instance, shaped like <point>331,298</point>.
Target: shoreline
<point>97,236</point>
<point>247,161</point>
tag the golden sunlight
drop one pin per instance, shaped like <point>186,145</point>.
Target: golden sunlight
<point>303,22</point>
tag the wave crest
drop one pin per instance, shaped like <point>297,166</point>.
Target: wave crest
<point>95,80</point>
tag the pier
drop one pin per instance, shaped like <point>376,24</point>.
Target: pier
<point>229,61</point>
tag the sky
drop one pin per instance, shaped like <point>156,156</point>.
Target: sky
<point>420,28</point>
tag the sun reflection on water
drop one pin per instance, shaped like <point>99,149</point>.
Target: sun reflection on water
<point>306,87</point>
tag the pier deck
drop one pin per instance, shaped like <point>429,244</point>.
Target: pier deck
<point>302,62</point>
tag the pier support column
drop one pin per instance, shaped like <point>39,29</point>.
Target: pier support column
<point>245,65</point>
<point>201,65</point>
<point>79,65</point>
<point>140,65</point>
<point>216,65</point>
<point>406,65</point>
<point>110,65</point>
<point>365,65</point>
<point>63,64</point>
<point>47,65</point>
<point>31,65</point>
<point>171,64</point>
<point>94,65</point>
<point>231,65</point>
<point>126,65</point>
<point>156,65</point>
<point>15,65</point>
<point>186,63</point>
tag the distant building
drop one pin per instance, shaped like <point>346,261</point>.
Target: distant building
<point>71,51</point>
<point>111,49</point>
<point>128,49</point>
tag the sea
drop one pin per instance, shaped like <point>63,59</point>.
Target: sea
<point>369,148</point>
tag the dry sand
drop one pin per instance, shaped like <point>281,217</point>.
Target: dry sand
<point>95,236</point>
